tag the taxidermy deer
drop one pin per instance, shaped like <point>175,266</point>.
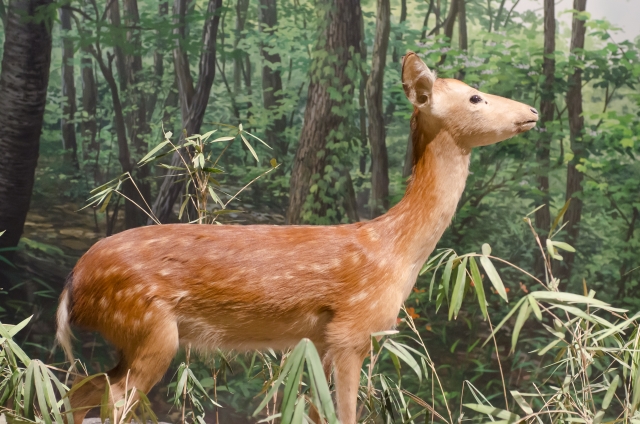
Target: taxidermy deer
<point>260,286</point>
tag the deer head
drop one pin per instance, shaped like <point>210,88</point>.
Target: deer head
<point>472,117</point>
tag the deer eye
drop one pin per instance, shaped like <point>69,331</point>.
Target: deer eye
<point>422,98</point>
<point>475,99</point>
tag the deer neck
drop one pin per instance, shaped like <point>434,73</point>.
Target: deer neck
<point>418,221</point>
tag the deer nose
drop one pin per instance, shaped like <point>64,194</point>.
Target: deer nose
<point>533,110</point>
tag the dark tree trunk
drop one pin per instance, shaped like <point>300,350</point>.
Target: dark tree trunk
<point>68,128</point>
<point>242,7</point>
<point>272,80</point>
<point>119,40</point>
<point>576,130</point>
<point>463,42</point>
<point>379,158</point>
<point>340,37</point>
<point>193,100</point>
<point>89,127</point>
<point>403,17</point>
<point>425,23</point>
<point>137,124</point>
<point>158,62</point>
<point>462,25</point>
<point>451,18</point>
<point>23,93</point>
<point>547,108</point>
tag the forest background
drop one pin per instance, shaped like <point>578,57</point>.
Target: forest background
<point>88,88</point>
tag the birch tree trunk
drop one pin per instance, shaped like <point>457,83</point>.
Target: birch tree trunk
<point>323,118</point>
<point>23,93</point>
<point>379,159</point>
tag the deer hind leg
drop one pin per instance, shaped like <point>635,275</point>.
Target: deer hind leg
<point>140,367</point>
<point>347,366</point>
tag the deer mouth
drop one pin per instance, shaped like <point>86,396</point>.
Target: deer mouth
<point>526,125</point>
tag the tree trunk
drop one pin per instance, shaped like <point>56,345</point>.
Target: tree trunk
<point>379,158</point>
<point>193,100</point>
<point>158,62</point>
<point>89,127</point>
<point>403,17</point>
<point>272,81</point>
<point>137,124</point>
<point>547,109</point>
<point>68,128</point>
<point>462,25</point>
<point>323,118</point>
<point>576,131</point>
<point>451,18</point>
<point>119,41</point>
<point>23,94</point>
<point>241,17</point>
<point>425,23</point>
<point>463,42</point>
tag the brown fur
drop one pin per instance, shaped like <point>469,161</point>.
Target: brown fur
<point>150,289</point>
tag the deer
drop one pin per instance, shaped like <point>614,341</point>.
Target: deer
<point>267,286</point>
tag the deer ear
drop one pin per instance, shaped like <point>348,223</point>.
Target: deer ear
<point>417,80</point>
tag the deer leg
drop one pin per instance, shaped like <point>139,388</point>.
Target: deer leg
<point>140,368</point>
<point>347,365</point>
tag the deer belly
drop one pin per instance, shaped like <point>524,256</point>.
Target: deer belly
<point>248,329</point>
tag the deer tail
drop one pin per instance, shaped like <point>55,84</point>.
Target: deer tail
<point>63,333</point>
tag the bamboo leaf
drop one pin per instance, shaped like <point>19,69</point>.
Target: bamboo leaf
<point>548,347</point>
<point>505,319</point>
<point>319,383</point>
<point>42,402</point>
<point>563,246</point>
<point>223,139</point>
<point>521,402</point>
<point>494,277</point>
<point>433,278</point>
<point>153,151</point>
<point>567,297</point>
<point>253,152</point>
<point>535,308</point>
<point>524,313</point>
<point>494,412</point>
<point>552,251</point>
<point>477,283</point>
<point>291,391</point>
<point>257,138</point>
<point>446,276</point>
<point>294,357</point>
<point>556,221</point>
<point>183,206</point>
<point>29,392</point>
<point>458,290</point>
<point>206,135</point>
<point>399,350</point>
<point>486,249</point>
<point>610,392</point>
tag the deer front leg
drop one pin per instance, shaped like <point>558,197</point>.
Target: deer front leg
<point>347,365</point>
